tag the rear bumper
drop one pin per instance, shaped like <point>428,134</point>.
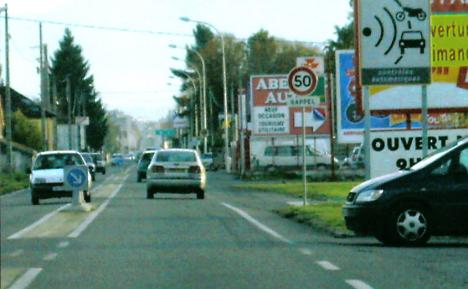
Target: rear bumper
<point>364,219</point>
<point>175,185</point>
<point>46,191</point>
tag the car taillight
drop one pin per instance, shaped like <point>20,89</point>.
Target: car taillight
<point>194,170</point>
<point>157,169</point>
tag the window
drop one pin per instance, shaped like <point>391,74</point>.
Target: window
<point>176,156</point>
<point>58,161</point>
<point>443,169</point>
<point>464,158</point>
<point>269,151</point>
<point>284,151</point>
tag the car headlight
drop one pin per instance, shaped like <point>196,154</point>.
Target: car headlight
<point>39,181</point>
<point>369,196</point>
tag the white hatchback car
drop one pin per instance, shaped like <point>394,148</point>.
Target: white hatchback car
<point>176,171</point>
<point>46,178</point>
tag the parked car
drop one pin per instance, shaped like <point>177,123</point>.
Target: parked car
<point>176,171</point>
<point>207,160</point>
<point>355,159</point>
<point>407,207</point>
<point>99,162</point>
<point>143,163</point>
<point>90,163</point>
<point>290,156</point>
<point>46,177</point>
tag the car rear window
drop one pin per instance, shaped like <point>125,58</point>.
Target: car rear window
<point>58,161</point>
<point>176,156</point>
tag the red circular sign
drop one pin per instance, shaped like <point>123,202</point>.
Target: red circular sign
<point>302,80</point>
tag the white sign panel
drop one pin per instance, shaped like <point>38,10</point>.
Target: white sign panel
<point>396,150</point>
<point>303,101</point>
<point>271,120</point>
<point>316,63</point>
<point>394,40</point>
<point>180,122</point>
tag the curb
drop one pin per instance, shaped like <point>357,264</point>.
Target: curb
<point>13,193</point>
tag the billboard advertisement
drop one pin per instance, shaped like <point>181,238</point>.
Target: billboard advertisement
<point>271,115</point>
<point>398,150</point>
<point>350,121</point>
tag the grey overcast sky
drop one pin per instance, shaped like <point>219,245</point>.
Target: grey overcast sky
<point>131,70</point>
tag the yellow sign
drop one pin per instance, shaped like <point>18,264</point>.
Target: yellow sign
<point>449,40</point>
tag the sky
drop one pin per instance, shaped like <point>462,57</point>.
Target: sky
<point>131,69</point>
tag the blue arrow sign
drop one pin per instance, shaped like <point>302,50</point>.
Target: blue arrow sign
<point>76,177</point>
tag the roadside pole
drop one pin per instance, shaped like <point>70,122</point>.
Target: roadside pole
<point>68,92</point>
<point>424,121</point>
<point>9,134</point>
<point>42,85</point>
<point>304,162</point>
<point>367,128</point>
<point>330,91</point>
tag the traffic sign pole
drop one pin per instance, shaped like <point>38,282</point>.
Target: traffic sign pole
<point>424,121</point>
<point>367,128</point>
<point>304,163</point>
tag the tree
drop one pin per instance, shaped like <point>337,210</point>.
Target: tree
<point>69,63</point>
<point>25,131</point>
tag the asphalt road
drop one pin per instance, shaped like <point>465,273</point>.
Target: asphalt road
<point>229,240</point>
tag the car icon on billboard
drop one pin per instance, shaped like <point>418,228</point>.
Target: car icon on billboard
<point>412,39</point>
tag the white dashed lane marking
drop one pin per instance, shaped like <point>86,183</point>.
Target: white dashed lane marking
<point>63,244</point>
<point>328,265</point>
<point>358,284</point>
<point>16,253</point>
<point>50,257</point>
<point>305,251</point>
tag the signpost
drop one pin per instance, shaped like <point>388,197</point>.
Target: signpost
<point>302,81</point>
<point>394,46</point>
<point>75,179</point>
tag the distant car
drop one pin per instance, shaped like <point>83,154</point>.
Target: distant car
<point>99,162</point>
<point>90,163</point>
<point>207,160</point>
<point>412,39</point>
<point>356,159</point>
<point>407,207</point>
<point>290,156</point>
<point>143,163</point>
<point>46,178</point>
<point>176,171</point>
<point>117,160</point>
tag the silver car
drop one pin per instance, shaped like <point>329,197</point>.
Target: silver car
<point>176,171</point>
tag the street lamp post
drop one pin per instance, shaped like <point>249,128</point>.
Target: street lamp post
<point>9,134</point>
<point>204,118</point>
<point>226,134</point>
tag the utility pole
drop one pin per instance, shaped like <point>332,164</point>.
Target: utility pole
<point>54,109</point>
<point>68,92</point>
<point>9,135</point>
<point>43,85</point>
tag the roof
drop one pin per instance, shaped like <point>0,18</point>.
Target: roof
<point>20,102</point>
<point>57,152</point>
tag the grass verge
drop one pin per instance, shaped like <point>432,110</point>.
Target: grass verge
<point>324,214</point>
<point>11,182</point>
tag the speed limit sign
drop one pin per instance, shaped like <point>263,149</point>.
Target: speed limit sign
<point>302,80</point>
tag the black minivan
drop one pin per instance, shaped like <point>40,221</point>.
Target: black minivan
<point>407,207</point>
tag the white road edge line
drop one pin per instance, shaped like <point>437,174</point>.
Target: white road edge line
<point>257,224</point>
<point>19,234</point>
<point>26,279</point>
<point>50,256</point>
<point>328,265</point>
<point>96,213</point>
<point>358,284</point>
<point>305,251</point>
<point>14,193</point>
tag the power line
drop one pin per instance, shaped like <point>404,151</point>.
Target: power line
<point>97,27</point>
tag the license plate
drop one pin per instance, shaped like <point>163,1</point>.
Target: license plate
<point>60,188</point>
<point>177,170</point>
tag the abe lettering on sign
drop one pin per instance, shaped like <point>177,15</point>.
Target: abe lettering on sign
<point>398,150</point>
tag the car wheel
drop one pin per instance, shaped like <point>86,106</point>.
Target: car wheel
<point>34,198</point>
<point>87,197</point>
<point>410,225</point>
<point>321,167</point>
<point>93,177</point>
<point>138,179</point>
<point>104,172</point>
<point>201,194</point>
<point>149,194</point>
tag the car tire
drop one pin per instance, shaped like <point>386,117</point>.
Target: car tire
<point>410,225</point>
<point>104,172</point>
<point>321,167</point>
<point>87,196</point>
<point>93,177</point>
<point>34,198</point>
<point>138,178</point>
<point>200,194</point>
<point>149,194</point>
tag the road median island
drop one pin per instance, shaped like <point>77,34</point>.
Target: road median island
<point>325,202</point>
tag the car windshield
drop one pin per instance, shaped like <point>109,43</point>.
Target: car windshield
<point>146,157</point>
<point>175,156</point>
<point>433,156</point>
<point>57,161</point>
<point>97,157</point>
<point>87,158</point>
<point>413,35</point>
<point>207,156</point>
